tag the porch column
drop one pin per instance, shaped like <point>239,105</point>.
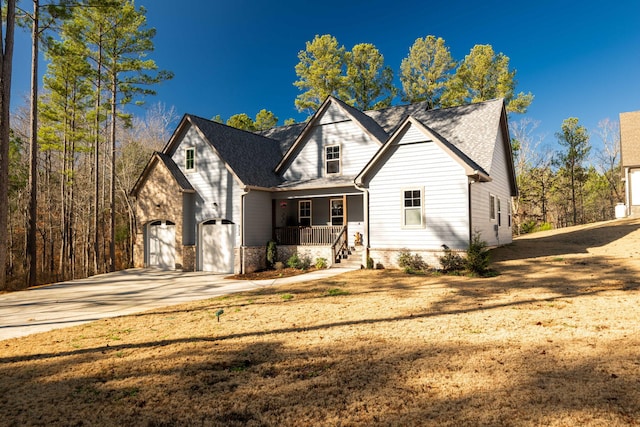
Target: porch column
<point>344,209</point>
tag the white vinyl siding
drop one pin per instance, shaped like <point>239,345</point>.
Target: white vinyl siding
<point>445,214</point>
<point>481,221</point>
<point>335,128</point>
<point>218,192</point>
<point>257,218</point>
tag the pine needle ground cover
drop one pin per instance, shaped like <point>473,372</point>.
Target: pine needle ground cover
<point>554,340</point>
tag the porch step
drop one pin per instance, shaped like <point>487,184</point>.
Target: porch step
<point>351,258</point>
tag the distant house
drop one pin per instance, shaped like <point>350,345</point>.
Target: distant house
<point>630,159</point>
<point>344,185</point>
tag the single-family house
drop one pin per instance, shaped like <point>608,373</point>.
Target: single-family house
<point>630,159</point>
<point>345,184</point>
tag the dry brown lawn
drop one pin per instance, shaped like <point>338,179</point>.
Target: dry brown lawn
<point>553,340</point>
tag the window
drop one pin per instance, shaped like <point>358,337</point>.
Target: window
<point>337,212</point>
<point>412,208</point>
<point>190,159</point>
<point>304,213</point>
<point>509,215</point>
<point>499,214</point>
<point>492,207</point>
<point>332,159</point>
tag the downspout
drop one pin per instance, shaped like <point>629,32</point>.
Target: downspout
<point>626,190</point>
<point>365,207</point>
<point>469,211</point>
<point>242,239</point>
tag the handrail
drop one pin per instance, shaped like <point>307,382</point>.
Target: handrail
<point>343,245</point>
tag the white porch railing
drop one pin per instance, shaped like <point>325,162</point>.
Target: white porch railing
<point>308,236</point>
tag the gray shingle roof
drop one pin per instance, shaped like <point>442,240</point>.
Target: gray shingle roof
<point>182,180</point>
<point>285,135</point>
<point>252,157</point>
<point>472,129</point>
<point>366,121</point>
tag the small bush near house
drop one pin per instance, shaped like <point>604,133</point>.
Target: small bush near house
<point>369,263</point>
<point>295,261</point>
<point>477,261</point>
<point>451,261</point>
<point>321,263</point>
<point>278,265</point>
<point>412,263</point>
<point>272,253</point>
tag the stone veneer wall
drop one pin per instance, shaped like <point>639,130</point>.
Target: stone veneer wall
<point>313,252</point>
<point>388,258</point>
<point>254,258</point>
<point>160,198</point>
<point>189,258</point>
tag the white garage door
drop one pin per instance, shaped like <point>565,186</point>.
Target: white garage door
<point>162,238</point>
<point>216,246</point>
<point>635,188</point>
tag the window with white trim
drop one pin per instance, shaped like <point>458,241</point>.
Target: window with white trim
<point>189,159</point>
<point>304,213</point>
<point>337,211</point>
<point>509,214</point>
<point>499,213</point>
<point>332,159</point>
<point>412,207</point>
<point>492,207</point>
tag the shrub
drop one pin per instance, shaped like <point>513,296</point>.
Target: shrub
<point>411,263</point>
<point>278,265</point>
<point>477,261</point>
<point>295,261</point>
<point>272,253</point>
<point>370,263</point>
<point>451,261</point>
<point>321,263</point>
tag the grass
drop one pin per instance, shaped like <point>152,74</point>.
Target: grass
<point>536,345</point>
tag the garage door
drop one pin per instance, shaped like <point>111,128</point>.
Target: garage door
<point>635,188</point>
<point>216,246</point>
<point>162,239</point>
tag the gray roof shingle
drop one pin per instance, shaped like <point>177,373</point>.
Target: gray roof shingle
<point>469,129</point>
<point>182,180</point>
<point>252,157</point>
<point>472,129</point>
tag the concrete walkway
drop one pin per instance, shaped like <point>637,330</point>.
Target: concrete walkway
<point>115,294</point>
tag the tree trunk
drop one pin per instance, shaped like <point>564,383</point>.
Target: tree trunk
<point>6,67</point>
<point>96,165</point>
<point>112,197</point>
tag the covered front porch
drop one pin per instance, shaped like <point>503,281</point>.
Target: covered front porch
<point>333,220</point>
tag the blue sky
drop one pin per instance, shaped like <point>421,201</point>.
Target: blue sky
<point>579,58</point>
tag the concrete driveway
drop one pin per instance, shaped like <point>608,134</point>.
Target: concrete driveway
<point>116,294</point>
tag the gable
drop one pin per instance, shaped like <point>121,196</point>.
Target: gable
<point>334,127</point>
<point>161,161</point>
<point>412,132</point>
<point>335,123</point>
